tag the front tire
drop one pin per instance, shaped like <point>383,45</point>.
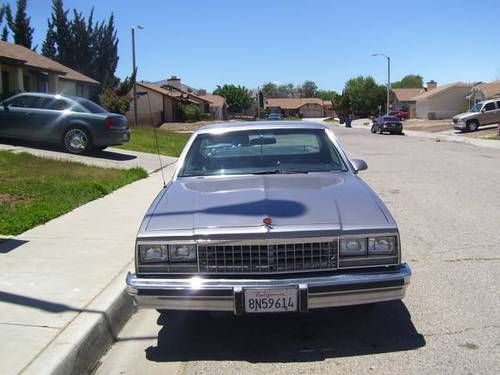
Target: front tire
<point>77,140</point>
<point>472,125</point>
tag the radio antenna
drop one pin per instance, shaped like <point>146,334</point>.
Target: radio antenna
<point>155,136</point>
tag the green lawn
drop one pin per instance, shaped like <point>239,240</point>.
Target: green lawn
<point>34,190</point>
<point>494,137</point>
<point>142,139</point>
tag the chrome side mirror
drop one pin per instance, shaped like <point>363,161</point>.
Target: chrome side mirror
<point>359,165</point>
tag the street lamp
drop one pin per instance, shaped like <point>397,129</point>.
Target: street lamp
<point>134,89</point>
<point>388,77</point>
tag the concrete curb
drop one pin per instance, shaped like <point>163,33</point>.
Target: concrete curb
<point>79,346</point>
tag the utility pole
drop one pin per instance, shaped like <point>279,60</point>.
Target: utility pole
<point>134,70</point>
<point>388,78</point>
<point>258,102</point>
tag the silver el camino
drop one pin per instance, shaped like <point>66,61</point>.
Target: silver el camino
<point>266,217</point>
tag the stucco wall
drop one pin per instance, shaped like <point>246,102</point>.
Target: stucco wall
<point>143,110</point>
<point>444,104</point>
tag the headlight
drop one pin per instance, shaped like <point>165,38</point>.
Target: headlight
<point>153,253</point>
<point>353,247</point>
<point>382,246</point>
<point>182,253</point>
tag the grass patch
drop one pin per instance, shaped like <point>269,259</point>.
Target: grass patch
<point>34,190</point>
<point>142,139</point>
<point>494,137</point>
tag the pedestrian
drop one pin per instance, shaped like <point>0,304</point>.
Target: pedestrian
<point>348,121</point>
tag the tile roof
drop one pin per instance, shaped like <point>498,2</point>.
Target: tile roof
<point>404,95</point>
<point>490,90</point>
<point>440,89</point>
<point>216,100</point>
<point>28,58</point>
<point>291,103</point>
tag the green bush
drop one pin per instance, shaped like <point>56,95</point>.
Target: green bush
<point>113,102</point>
<point>190,112</point>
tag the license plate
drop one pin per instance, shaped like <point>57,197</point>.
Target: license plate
<point>270,300</point>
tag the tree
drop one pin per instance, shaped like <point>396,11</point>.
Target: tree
<point>20,24</point>
<point>61,34</point>
<point>270,90</point>
<point>49,44</point>
<point>308,89</point>
<point>365,95</point>
<point>409,81</point>
<point>238,98</point>
<point>327,95</point>
<point>5,31</point>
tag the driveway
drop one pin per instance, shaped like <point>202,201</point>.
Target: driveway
<point>109,158</point>
<point>444,196</point>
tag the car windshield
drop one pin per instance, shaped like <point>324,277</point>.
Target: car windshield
<point>476,108</point>
<point>273,151</point>
<point>90,106</point>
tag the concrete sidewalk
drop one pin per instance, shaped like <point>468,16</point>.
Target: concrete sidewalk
<point>109,158</point>
<point>58,278</point>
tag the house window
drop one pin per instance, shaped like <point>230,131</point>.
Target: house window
<point>26,83</point>
<point>5,83</point>
<point>79,89</point>
<point>42,84</point>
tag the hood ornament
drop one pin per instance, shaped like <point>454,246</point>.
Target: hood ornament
<point>267,222</point>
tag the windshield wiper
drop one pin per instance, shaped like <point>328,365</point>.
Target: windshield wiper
<point>271,171</point>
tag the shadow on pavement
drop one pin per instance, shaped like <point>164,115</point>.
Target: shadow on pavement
<point>340,332</point>
<point>10,244</point>
<point>108,155</point>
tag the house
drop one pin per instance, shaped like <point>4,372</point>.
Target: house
<point>403,100</point>
<point>217,107</point>
<point>443,101</point>
<point>158,104</point>
<point>303,107</point>
<point>483,91</point>
<point>25,70</point>
<point>177,89</point>
<point>328,106</point>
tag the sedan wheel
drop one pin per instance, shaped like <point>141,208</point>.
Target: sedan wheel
<point>77,141</point>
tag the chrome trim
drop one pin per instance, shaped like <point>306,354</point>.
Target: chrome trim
<point>203,300</point>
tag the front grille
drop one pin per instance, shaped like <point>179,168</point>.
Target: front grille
<point>268,258</point>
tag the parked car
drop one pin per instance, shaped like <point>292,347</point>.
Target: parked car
<point>401,115</point>
<point>482,113</point>
<point>266,217</point>
<point>77,124</point>
<point>387,124</point>
<point>274,116</point>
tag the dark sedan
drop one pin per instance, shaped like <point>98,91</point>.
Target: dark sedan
<point>387,124</point>
<point>77,124</point>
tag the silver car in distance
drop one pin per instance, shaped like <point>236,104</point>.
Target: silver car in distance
<point>266,217</point>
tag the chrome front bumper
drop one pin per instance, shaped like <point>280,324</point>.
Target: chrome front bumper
<point>226,294</point>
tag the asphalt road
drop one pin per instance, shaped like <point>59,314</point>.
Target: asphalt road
<point>446,199</point>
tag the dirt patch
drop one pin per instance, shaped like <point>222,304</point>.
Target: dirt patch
<point>431,126</point>
<point>12,200</point>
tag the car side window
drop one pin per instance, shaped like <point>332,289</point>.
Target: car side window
<point>58,105</point>
<point>489,106</point>
<point>25,101</point>
<point>498,104</point>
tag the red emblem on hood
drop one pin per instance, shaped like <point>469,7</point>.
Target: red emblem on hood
<point>267,221</point>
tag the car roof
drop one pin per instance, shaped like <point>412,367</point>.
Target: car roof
<point>258,125</point>
<point>47,95</point>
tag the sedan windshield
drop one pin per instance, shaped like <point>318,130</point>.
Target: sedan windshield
<point>274,151</point>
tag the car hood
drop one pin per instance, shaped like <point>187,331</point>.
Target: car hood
<point>465,115</point>
<point>338,201</point>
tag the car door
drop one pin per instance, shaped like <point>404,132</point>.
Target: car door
<point>15,117</point>
<point>489,112</point>
<point>51,112</point>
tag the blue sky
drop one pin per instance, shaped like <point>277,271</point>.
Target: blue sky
<point>207,43</point>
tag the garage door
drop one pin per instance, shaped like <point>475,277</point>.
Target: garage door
<point>311,112</point>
